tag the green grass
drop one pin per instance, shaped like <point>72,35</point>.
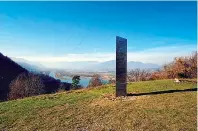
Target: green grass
<point>97,109</point>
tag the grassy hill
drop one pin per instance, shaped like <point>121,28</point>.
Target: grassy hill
<point>154,105</point>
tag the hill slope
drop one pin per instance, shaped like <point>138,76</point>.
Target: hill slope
<point>9,70</point>
<point>96,109</point>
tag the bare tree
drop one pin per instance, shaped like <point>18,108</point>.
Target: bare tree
<point>138,75</point>
<point>181,67</point>
<point>193,63</point>
<point>95,81</point>
<point>26,84</point>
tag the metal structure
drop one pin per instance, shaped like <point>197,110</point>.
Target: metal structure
<point>121,66</point>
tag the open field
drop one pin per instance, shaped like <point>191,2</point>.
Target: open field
<point>152,105</point>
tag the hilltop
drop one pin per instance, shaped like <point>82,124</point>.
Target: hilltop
<point>155,105</point>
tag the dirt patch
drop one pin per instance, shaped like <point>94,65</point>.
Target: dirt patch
<point>102,103</point>
<point>110,100</point>
<point>112,97</point>
<point>60,107</point>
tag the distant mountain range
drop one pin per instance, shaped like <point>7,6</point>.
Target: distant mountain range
<point>28,65</point>
<point>111,65</point>
<point>103,66</point>
<point>85,66</point>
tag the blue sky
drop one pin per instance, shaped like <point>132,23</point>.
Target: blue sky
<point>51,32</point>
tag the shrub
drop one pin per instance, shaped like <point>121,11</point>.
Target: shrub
<point>112,81</point>
<point>25,85</point>
<point>60,90</point>
<point>65,86</point>
<point>95,81</point>
<point>158,75</point>
<point>181,67</point>
<point>138,75</point>
<point>51,84</point>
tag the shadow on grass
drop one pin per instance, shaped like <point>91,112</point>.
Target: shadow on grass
<point>162,92</point>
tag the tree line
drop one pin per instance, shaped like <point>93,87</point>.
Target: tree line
<point>180,67</point>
